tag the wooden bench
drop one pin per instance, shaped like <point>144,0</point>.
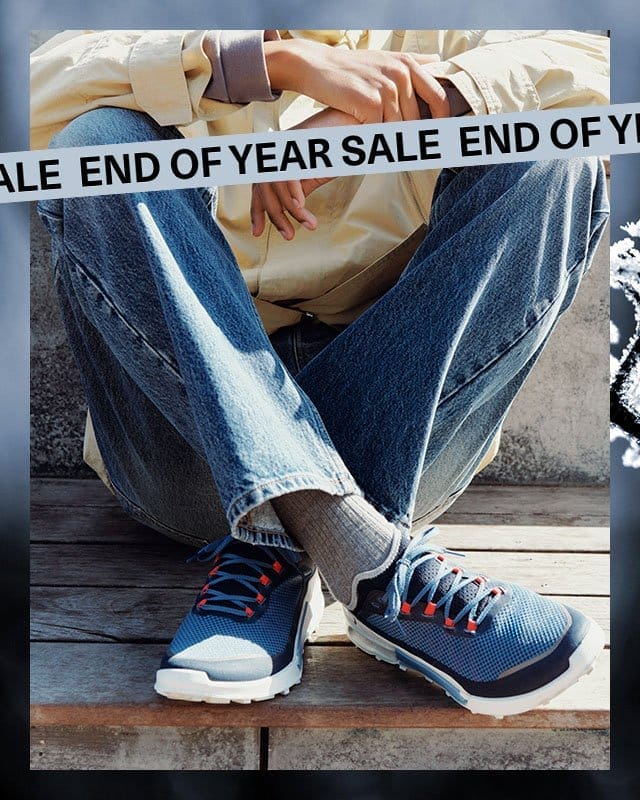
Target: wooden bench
<point>107,595</point>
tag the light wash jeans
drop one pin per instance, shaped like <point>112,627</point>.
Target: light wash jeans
<point>201,418</point>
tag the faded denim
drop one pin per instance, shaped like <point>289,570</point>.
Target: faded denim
<point>201,418</point>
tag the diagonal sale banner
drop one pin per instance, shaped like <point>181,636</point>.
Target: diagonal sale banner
<point>320,152</point>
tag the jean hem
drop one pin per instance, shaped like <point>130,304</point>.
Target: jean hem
<point>138,513</point>
<point>241,510</point>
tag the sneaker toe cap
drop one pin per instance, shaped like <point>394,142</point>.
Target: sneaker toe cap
<point>224,659</point>
<point>530,674</point>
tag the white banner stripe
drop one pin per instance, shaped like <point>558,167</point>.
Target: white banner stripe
<point>320,152</point>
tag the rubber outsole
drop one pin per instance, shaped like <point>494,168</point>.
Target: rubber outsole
<point>197,687</point>
<point>580,663</point>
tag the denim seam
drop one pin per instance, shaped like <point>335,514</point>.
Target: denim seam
<point>98,287</point>
<point>42,211</point>
<point>513,343</point>
<point>134,331</point>
<point>196,540</point>
<point>296,348</point>
<point>320,429</point>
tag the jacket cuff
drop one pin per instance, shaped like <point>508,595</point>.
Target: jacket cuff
<point>491,84</point>
<point>238,67</point>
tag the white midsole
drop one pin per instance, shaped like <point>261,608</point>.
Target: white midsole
<point>580,662</point>
<point>195,685</point>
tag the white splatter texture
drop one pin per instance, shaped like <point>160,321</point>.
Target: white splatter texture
<point>625,371</point>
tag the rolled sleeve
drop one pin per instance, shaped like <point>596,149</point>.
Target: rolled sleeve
<point>490,83</point>
<point>502,79</point>
<point>529,70</point>
<point>157,77</point>
<point>238,66</point>
<point>469,90</point>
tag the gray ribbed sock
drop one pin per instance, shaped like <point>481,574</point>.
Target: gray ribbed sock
<point>345,536</point>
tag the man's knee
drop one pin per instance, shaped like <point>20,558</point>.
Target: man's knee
<point>562,181</point>
<point>98,127</point>
<point>568,199</point>
<point>109,125</point>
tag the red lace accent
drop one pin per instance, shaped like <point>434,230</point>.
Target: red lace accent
<point>430,609</point>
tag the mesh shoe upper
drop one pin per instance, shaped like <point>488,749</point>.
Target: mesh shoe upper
<point>525,628</point>
<point>232,646</point>
<point>480,634</point>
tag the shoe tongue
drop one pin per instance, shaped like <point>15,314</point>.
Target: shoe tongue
<point>244,550</point>
<point>427,572</point>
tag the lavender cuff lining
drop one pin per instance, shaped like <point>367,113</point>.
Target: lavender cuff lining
<point>239,71</point>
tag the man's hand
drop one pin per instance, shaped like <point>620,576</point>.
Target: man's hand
<point>359,86</point>
<point>279,198</point>
<point>369,85</point>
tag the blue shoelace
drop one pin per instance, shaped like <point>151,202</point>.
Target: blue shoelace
<point>233,572</point>
<point>419,551</point>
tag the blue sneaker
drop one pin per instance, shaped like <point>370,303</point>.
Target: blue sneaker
<point>244,636</point>
<point>494,647</point>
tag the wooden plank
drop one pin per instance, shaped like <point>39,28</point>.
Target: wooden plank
<point>530,505</point>
<point>73,747</point>
<point>106,525</point>
<point>163,566</point>
<point>111,684</point>
<point>89,525</point>
<point>454,749</point>
<point>70,492</point>
<point>564,505</point>
<point>117,614</point>
<point>73,614</point>
<point>532,538</point>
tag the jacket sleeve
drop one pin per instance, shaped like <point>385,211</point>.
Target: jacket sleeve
<point>503,71</point>
<point>167,74</point>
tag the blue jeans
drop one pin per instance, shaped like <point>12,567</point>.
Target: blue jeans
<point>201,418</point>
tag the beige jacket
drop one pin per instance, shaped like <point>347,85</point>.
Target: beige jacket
<point>368,225</point>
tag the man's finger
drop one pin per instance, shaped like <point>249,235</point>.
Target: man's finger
<point>292,205</point>
<point>257,212</point>
<point>431,91</point>
<point>407,96</point>
<point>296,192</point>
<point>275,212</point>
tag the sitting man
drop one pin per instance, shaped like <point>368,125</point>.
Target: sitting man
<point>293,376</point>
